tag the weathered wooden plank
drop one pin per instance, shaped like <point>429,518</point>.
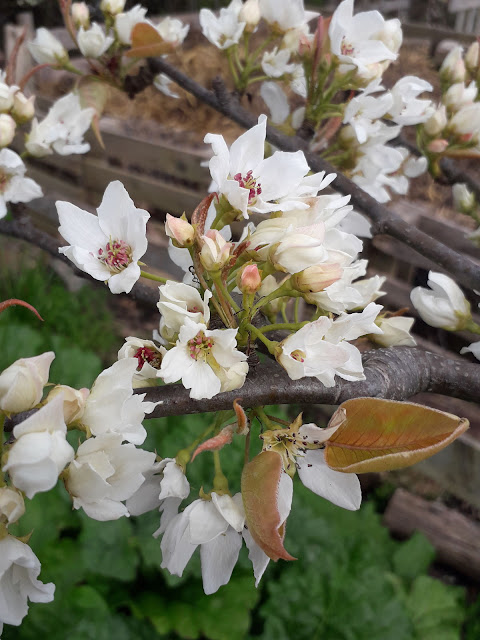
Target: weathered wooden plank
<point>462,5</point>
<point>454,536</point>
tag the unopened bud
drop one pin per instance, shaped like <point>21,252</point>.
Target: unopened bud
<point>437,122</point>
<point>250,13</point>
<point>7,129</point>
<point>317,278</point>
<point>437,146</point>
<point>23,108</point>
<point>453,67</point>
<point>80,15</point>
<point>180,231</point>
<point>12,505</point>
<point>73,401</point>
<point>112,6</point>
<point>215,251</point>
<point>249,280</point>
<point>463,198</point>
<point>304,45</point>
<point>472,56</point>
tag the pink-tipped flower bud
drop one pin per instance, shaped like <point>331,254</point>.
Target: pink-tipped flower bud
<point>249,279</point>
<point>180,231</point>
<point>7,129</point>
<point>80,15</point>
<point>317,278</point>
<point>215,251</point>
<point>437,146</point>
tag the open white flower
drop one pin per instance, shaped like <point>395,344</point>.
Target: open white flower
<point>407,109</point>
<point>148,355</point>
<point>355,40</point>
<point>206,361</point>
<point>107,246</point>
<point>93,42</point>
<point>112,407</point>
<point>275,63</point>
<point>177,302</point>
<point>124,22</point>
<point>443,305</point>
<point>286,14</point>
<point>104,474</point>
<point>19,570</point>
<point>172,30</point>
<point>254,184</point>
<point>165,487</point>
<point>226,29</point>
<point>22,383</point>
<point>62,129</point>
<point>14,186</point>
<point>216,526</point>
<point>40,451</point>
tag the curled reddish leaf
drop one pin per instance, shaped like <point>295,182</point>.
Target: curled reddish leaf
<point>216,443</point>
<point>147,42</point>
<point>379,435</point>
<point>19,303</point>
<point>201,211</point>
<point>242,420</point>
<point>266,494</point>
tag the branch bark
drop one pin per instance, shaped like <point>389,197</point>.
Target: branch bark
<point>397,373</point>
<point>383,220</point>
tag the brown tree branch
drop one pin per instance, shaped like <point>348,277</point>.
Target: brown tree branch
<point>383,220</point>
<point>396,373</point>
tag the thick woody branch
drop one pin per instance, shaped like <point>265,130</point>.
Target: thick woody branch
<point>396,373</point>
<point>383,220</point>
<point>23,228</point>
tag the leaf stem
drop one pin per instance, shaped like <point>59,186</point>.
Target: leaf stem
<point>152,276</point>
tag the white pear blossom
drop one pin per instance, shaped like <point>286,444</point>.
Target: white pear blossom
<point>443,305</point>
<point>301,248</point>
<point>124,22</point>
<point>112,407</point>
<point>80,14</point>
<point>19,570</point>
<point>407,109</point>
<point>12,505</point>
<point>276,100</point>
<point>47,49</point>
<point>254,184</point>
<point>73,401</point>
<point>396,332</point>
<point>23,108</point>
<point>7,93</point>
<point>226,29</point>
<point>342,295</point>
<point>172,30</point>
<point>453,66</point>
<point>206,361</point>
<point>250,14</point>
<point>275,63</point>
<point>104,474</point>
<point>107,246</point>
<point>466,122</point>
<point>458,95</point>
<point>437,121</point>
<point>320,348</point>
<point>22,383</point>
<point>215,251</point>
<point>215,525</point>
<point>463,199</point>
<point>286,14</point>
<point>148,355</point>
<point>93,42</point>
<point>362,110</point>
<point>165,487</point>
<point>62,129</point>
<point>40,451</point>
<point>177,302</point>
<point>356,40</point>
<point>14,186</point>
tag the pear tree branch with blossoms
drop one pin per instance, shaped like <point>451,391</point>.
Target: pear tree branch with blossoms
<point>231,334</point>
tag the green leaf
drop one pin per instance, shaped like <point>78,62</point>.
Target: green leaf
<point>107,548</point>
<point>413,557</point>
